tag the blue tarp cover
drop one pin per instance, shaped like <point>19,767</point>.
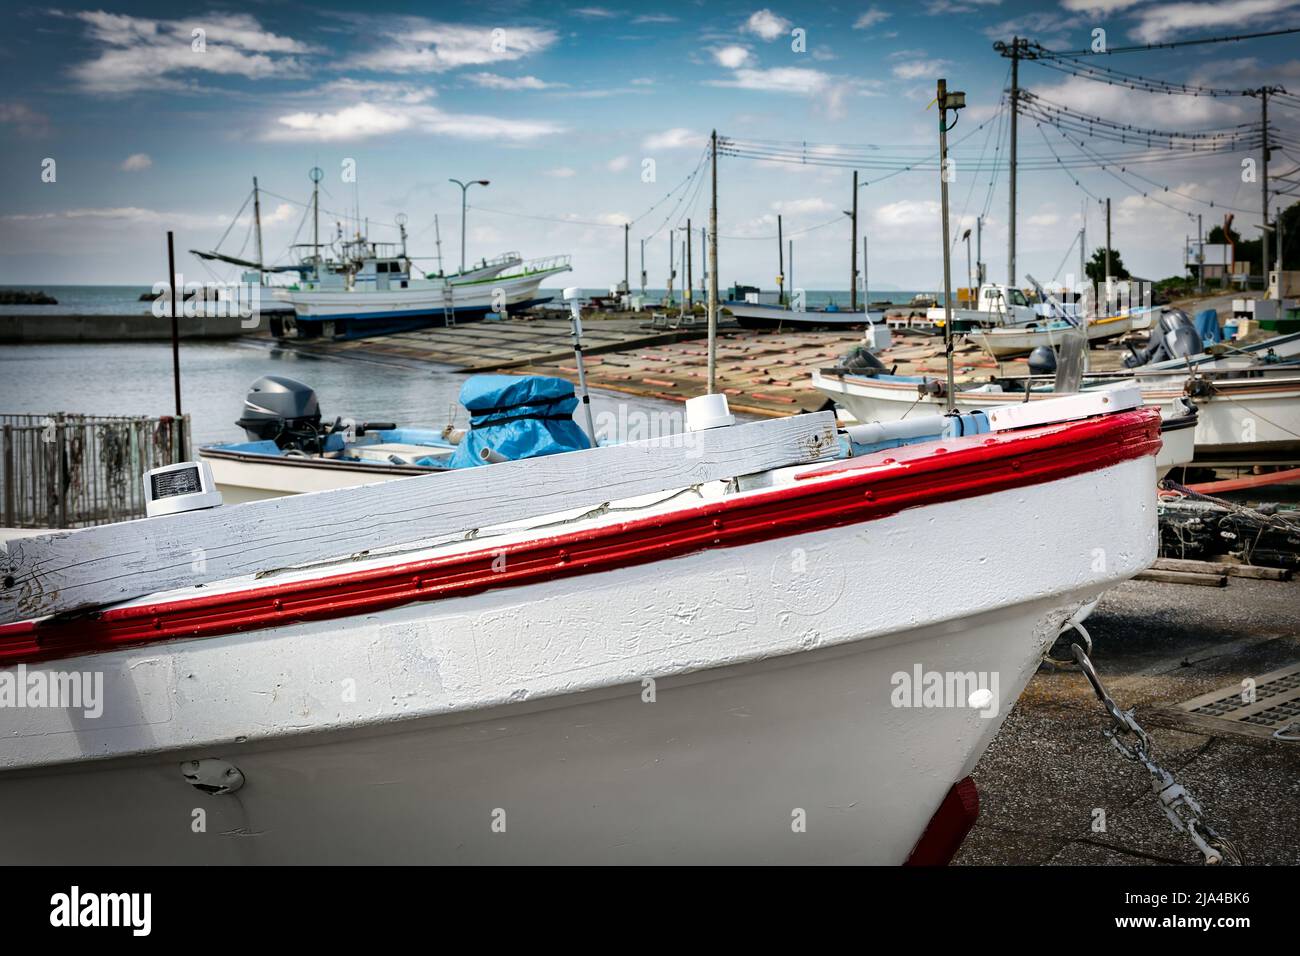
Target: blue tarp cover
<point>1207,323</point>
<point>518,417</point>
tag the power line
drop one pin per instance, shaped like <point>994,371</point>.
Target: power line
<point>1174,44</point>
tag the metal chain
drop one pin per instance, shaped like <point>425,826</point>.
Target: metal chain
<point>1180,806</point>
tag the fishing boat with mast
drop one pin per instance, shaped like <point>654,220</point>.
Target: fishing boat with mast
<point>357,287</point>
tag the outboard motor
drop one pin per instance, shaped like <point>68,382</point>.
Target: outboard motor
<point>286,412</point>
<point>860,358</point>
<point>1174,337</point>
<point>1042,361</point>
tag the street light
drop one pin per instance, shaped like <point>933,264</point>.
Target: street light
<point>464,188</point>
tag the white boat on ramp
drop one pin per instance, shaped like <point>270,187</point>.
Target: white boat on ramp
<point>655,652</point>
<point>1247,399</point>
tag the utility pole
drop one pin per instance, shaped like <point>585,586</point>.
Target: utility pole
<point>626,227</point>
<point>979,253</point>
<point>969,273</point>
<point>866,286</point>
<point>1108,251</point>
<point>780,263</point>
<point>1019,48</point>
<point>1083,244</point>
<point>1262,92</point>
<point>671,272</point>
<point>704,263</point>
<point>690,276</point>
<point>1200,256</point>
<point>790,259</point>
<point>947,101</point>
<point>643,268</point>
<point>713,270</point>
<point>853,245</point>
<point>1278,222</point>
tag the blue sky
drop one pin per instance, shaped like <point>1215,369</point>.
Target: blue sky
<point>563,108</point>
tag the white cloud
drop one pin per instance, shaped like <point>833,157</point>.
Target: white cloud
<point>1161,21</point>
<point>732,57</point>
<point>618,164</point>
<point>145,54</point>
<point>1175,112</point>
<point>1099,6</point>
<point>942,7</point>
<point>352,89</point>
<point>870,18</point>
<point>364,120</point>
<point>595,13</point>
<point>562,172</point>
<point>136,162</point>
<point>676,138</point>
<point>796,207</point>
<point>416,45</point>
<point>494,81</point>
<point>766,24</point>
<point>783,79</point>
<point>907,212</point>
<point>655,18</point>
<point>920,68</point>
<point>26,120</point>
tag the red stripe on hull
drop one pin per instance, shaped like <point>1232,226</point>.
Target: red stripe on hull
<point>857,490</point>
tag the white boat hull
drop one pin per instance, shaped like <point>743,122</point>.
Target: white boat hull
<point>241,479</point>
<point>422,298</point>
<point>1258,421</point>
<point>518,725</point>
<point>1004,341</point>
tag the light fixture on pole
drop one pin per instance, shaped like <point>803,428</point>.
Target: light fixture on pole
<point>464,188</point>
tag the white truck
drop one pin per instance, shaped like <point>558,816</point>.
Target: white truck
<point>996,305</point>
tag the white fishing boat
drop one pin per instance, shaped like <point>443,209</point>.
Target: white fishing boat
<point>289,449</point>
<point>1242,417</point>
<point>655,652</point>
<point>379,298</point>
<point>1004,341</point>
<point>758,315</point>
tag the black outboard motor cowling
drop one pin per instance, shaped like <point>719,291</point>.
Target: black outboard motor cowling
<point>861,359</point>
<point>1174,336</point>
<point>1042,361</point>
<point>286,412</point>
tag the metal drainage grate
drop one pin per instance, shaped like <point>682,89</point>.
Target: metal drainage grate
<point>1276,705</point>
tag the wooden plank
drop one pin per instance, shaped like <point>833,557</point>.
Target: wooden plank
<point>1232,570</point>
<point>91,567</point>
<point>1184,577</point>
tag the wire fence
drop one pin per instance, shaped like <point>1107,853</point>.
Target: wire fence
<point>69,471</point>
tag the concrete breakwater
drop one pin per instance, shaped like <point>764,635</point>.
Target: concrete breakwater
<point>18,329</point>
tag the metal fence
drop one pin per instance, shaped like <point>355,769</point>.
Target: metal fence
<point>69,471</point>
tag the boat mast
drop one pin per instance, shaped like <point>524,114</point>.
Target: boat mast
<point>257,220</point>
<point>437,238</point>
<point>316,175</point>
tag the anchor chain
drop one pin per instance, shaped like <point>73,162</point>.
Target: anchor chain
<point>1179,806</point>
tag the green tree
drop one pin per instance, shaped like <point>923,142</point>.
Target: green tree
<point>1096,267</point>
